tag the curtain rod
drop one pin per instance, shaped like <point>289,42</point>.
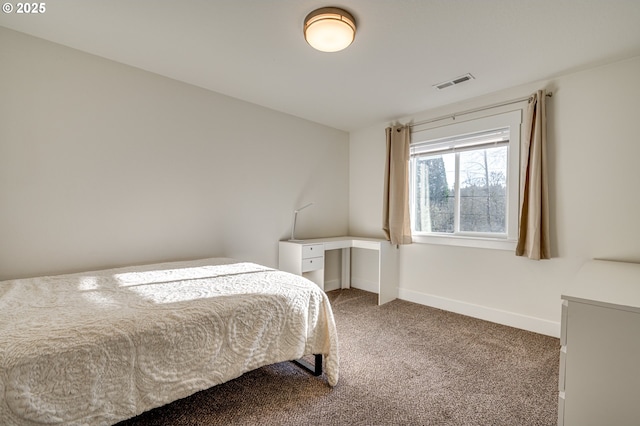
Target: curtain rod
<point>470,111</point>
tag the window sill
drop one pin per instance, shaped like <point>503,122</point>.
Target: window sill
<point>465,241</point>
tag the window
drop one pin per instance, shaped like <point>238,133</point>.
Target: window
<point>464,182</point>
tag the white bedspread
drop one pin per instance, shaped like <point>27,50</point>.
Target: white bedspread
<point>100,347</point>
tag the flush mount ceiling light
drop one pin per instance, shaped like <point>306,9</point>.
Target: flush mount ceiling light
<point>329,29</point>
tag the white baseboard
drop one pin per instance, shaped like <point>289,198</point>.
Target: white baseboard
<point>370,286</point>
<point>366,285</point>
<point>331,285</point>
<point>536,325</point>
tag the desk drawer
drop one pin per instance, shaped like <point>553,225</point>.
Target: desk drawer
<point>312,264</point>
<point>312,250</point>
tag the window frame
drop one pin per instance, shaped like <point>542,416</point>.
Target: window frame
<point>504,241</point>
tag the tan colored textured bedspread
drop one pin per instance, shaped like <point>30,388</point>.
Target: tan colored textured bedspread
<point>100,347</point>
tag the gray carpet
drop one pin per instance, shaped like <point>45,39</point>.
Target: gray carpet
<point>400,364</point>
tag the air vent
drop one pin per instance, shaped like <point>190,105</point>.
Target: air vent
<point>453,82</point>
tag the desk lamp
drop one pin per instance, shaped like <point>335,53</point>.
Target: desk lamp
<point>295,217</point>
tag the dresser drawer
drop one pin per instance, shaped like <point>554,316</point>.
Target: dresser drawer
<point>312,250</point>
<point>312,264</point>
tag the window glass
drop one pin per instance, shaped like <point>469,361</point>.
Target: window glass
<point>434,182</point>
<point>483,190</point>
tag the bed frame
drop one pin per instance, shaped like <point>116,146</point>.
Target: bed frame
<point>315,368</point>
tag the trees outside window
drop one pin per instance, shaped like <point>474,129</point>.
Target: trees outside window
<point>461,191</point>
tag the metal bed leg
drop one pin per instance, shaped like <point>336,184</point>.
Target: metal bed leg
<point>315,368</point>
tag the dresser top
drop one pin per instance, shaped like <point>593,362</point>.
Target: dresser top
<point>607,283</point>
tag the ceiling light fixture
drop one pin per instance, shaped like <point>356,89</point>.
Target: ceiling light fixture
<point>329,29</point>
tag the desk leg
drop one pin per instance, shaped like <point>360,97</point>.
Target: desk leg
<point>346,268</point>
<point>387,273</point>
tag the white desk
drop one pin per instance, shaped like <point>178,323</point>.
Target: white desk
<point>306,258</point>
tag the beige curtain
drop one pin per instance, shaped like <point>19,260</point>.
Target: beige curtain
<point>396,221</point>
<point>533,233</point>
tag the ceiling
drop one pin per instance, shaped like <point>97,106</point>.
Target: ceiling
<point>254,49</point>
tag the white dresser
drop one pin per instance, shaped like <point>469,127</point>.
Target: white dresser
<point>600,346</point>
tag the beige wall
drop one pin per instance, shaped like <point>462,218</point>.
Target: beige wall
<point>104,165</point>
<point>594,150</point>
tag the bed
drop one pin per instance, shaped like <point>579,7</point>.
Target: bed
<point>104,346</point>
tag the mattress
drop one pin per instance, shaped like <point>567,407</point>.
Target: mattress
<point>103,346</point>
